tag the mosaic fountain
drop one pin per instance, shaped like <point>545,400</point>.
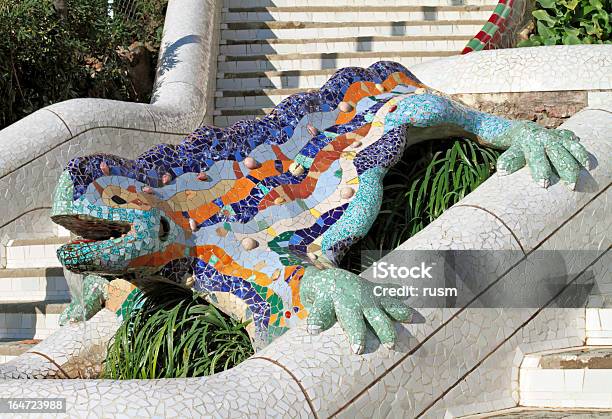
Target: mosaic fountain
<point>257,216</point>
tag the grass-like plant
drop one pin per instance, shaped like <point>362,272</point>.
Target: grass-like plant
<point>175,334</point>
<point>429,179</point>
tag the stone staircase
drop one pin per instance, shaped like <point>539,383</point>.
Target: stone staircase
<point>573,377</point>
<point>270,49</point>
<point>578,377</point>
<point>574,382</point>
<point>33,293</point>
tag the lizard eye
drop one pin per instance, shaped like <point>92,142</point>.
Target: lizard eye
<point>118,200</point>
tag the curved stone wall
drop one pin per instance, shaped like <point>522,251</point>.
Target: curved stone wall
<point>535,69</point>
<point>453,360</point>
<point>74,351</point>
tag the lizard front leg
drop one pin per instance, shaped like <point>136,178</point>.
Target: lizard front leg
<point>94,294</point>
<point>334,293</point>
<point>525,142</point>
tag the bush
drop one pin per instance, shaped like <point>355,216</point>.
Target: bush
<point>175,334</point>
<point>571,22</point>
<point>52,51</point>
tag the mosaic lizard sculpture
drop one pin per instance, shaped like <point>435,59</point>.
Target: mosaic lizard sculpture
<point>258,215</point>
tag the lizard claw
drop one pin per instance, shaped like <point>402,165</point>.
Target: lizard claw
<point>313,329</point>
<point>357,348</point>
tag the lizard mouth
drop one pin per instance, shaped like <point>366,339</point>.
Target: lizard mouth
<point>95,238</point>
<point>89,229</point>
<point>99,242</point>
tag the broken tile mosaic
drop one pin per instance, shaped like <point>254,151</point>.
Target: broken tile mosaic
<point>241,212</point>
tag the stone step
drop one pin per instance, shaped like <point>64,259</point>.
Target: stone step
<point>599,326</point>
<point>227,120</point>
<point>294,62</point>
<point>351,3</point>
<point>349,44</point>
<point>259,92</point>
<point>33,253</point>
<point>300,79</point>
<point>12,348</point>
<point>568,378</point>
<point>542,413</point>
<point>33,284</point>
<point>249,100</point>
<point>30,319</point>
<point>256,113</point>
<point>225,117</point>
<point>357,14</point>
<point>312,30</point>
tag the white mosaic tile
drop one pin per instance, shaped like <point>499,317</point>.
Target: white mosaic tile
<point>577,67</point>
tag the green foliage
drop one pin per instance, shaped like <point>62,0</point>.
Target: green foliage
<point>52,51</point>
<point>175,334</point>
<point>430,178</point>
<point>571,22</point>
<point>142,20</point>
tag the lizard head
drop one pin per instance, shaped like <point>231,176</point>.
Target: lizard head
<point>120,229</point>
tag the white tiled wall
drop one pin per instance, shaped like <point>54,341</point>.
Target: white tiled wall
<point>599,326</point>
<point>565,387</point>
<point>35,288</point>
<point>6,358</point>
<point>27,325</point>
<point>36,255</point>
